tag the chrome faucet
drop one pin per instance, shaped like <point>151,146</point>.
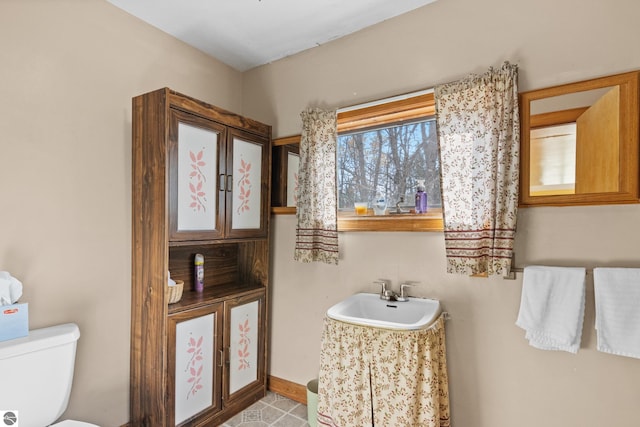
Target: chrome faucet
<point>389,295</point>
<point>386,294</point>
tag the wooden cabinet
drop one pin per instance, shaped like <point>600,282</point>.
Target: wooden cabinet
<point>216,357</point>
<point>201,184</point>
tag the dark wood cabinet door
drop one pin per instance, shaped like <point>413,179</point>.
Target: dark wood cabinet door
<point>196,177</point>
<point>247,190</point>
<point>244,344</point>
<point>195,364</point>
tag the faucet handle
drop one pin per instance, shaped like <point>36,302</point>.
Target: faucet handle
<point>402,286</point>
<point>383,283</point>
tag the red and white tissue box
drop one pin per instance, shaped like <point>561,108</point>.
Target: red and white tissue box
<point>14,321</point>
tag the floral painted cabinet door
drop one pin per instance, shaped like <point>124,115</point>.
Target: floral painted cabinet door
<point>195,359</point>
<point>244,320</point>
<point>195,163</point>
<point>219,180</point>
<point>248,192</point>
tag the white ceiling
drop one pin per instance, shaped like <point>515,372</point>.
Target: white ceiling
<point>248,33</point>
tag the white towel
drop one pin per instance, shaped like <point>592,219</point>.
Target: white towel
<point>617,294</point>
<point>552,307</point>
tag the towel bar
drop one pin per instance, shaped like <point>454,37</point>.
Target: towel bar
<point>514,270</point>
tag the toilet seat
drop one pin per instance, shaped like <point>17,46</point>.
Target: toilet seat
<point>72,423</point>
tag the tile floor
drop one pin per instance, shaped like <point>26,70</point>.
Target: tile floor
<point>273,410</point>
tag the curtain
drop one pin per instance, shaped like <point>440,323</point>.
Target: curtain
<point>380,377</point>
<point>317,226</point>
<point>479,144</point>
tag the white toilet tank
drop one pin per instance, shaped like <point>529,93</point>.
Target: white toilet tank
<point>36,373</point>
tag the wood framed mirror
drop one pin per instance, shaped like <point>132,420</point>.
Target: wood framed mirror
<point>579,143</point>
<point>285,158</point>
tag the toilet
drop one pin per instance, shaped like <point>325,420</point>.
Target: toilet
<point>37,372</point>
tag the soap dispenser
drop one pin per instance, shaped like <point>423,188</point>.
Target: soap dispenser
<point>421,198</point>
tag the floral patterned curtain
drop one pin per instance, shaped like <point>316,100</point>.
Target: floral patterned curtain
<point>479,139</point>
<point>381,377</point>
<point>317,228</point>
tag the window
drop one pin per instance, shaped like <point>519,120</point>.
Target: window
<point>400,117</point>
<point>387,163</point>
<point>383,150</point>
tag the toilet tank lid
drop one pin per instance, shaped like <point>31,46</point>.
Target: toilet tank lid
<point>39,339</point>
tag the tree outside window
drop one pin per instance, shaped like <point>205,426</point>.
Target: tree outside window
<point>389,161</point>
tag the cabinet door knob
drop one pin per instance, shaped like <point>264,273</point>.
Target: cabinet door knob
<point>221,359</point>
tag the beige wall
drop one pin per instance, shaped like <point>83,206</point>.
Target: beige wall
<point>68,71</point>
<point>496,378</point>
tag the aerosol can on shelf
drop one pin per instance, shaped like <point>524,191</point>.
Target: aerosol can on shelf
<point>198,273</point>
<point>421,198</point>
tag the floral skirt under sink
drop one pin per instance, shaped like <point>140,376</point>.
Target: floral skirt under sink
<point>371,376</point>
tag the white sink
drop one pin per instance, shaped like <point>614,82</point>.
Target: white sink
<point>369,310</point>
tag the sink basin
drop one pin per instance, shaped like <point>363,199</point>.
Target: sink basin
<point>369,310</point>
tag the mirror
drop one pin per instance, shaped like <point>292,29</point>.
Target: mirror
<point>286,158</point>
<point>579,143</point>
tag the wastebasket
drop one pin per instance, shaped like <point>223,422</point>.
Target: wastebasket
<point>312,403</point>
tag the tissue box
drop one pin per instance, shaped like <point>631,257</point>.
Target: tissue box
<point>14,321</point>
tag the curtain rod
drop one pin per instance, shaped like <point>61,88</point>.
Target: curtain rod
<point>385,100</point>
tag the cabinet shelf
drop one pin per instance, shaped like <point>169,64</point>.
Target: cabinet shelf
<point>180,243</point>
<point>192,299</point>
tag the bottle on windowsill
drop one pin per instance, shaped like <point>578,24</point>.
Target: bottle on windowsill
<point>421,198</point>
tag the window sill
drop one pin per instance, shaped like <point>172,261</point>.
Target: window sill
<point>431,221</point>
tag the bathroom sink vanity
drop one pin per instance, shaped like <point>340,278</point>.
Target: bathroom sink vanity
<point>383,362</point>
<point>201,185</point>
<point>370,310</point>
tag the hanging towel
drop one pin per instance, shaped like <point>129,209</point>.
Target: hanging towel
<point>552,307</point>
<point>617,294</point>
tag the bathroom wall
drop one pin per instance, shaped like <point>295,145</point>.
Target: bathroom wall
<point>68,71</point>
<point>496,379</point>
